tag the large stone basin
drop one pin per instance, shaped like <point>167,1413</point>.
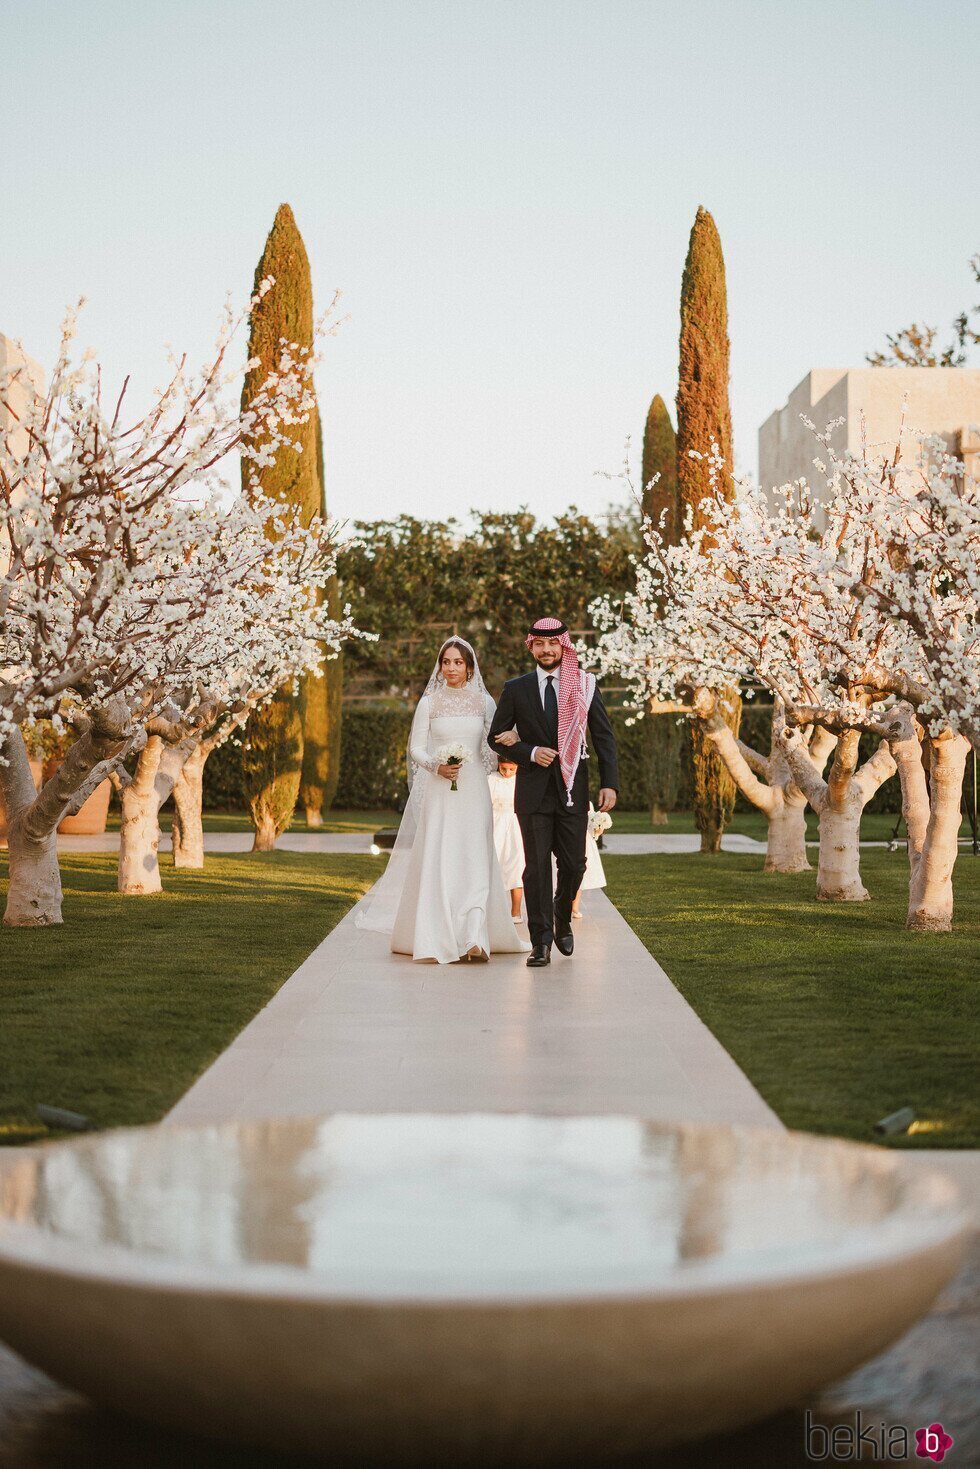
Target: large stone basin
<point>500,1289</point>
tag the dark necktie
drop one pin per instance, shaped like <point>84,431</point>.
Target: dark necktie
<point>551,707</point>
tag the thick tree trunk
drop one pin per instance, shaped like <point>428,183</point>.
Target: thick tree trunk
<point>786,837</point>
<point>839,862</point>
<point>188,823</point>
<point>781,800</point>
<point>839,802</point>
<point>157,769</point>
<point>658,816</point>
<point>266,831</point>
<point>931,882</point>
<point>34,889</point>
<point>314,816</point>
<point>139,834</point>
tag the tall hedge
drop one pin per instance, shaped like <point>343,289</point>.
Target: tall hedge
<point>704,418</point>
<point>321,698</point>
<point>372,774</point>
<point>273,738</point>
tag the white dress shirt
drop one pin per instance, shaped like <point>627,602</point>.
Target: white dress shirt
<point>543,676</point>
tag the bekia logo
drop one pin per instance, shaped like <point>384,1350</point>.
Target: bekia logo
<point>932,1443</point>
<point>877,1442</point>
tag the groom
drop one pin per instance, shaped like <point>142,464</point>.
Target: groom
<point>553,707</point>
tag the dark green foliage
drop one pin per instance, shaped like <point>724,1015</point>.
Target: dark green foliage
<point>654,755</point>
<point>284,313</point>
<point>420,581</point>
<point>660,501</point>
<point>703,419</point>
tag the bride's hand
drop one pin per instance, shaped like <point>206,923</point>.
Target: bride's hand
<point>509,737</point>
<point>448,772</point>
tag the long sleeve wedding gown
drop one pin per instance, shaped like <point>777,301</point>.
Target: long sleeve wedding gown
<point>453,899</point>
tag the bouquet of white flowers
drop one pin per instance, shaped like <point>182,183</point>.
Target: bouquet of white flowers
<point>599,821</point>
<point>453,755</point>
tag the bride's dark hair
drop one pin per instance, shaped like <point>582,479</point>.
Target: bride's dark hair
<point>461,648</point>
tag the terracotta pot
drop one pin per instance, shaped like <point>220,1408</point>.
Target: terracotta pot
<point>90,820</point>
<point>36,768</point>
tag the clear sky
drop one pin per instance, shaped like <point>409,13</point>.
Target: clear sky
<point>503,193</point>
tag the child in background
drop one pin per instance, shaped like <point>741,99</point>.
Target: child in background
<point>507,833</point>
<point>595,877</point>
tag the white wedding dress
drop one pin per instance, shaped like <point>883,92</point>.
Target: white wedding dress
<point>443,895</point>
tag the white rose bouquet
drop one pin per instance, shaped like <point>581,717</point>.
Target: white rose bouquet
<point>453,755</point>
<point>599,821</point>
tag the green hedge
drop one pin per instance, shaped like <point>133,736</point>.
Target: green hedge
<point>654,758</point>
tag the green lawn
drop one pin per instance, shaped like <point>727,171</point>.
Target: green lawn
<point>115,1013</point>
<point>837,1015</point>
<point>238,821</point>
<point>876,827</point>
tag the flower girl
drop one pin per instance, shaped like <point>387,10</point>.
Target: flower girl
<point>507,833</point>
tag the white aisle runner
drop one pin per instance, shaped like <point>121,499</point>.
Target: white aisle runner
<point>357,1028</point>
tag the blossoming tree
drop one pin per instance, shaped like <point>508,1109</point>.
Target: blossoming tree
<point>118,563</point>
<point>816,617</point>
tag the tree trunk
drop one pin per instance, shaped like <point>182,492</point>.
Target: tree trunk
<point>34,888</point>
<point>266,831</point>
<point>658,816</point>
<point>839,802</point>
<point>931,882</point>
<point>786,837</point>
<point>188,823</point>
<point>139,833</point>
<point>314,816</point>
<point>781,800</point>
<point>839,862</point>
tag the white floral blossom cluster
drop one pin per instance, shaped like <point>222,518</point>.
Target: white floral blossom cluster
<point>880,601</point>
<point>129,580</point>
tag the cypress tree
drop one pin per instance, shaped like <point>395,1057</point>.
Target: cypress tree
<point>704,417</point>
<point>321,701</point>
<point>660,457</point>
<point>662,740</point>
<point>272,747</point>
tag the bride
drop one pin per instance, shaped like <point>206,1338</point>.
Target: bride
<point>442,896</point>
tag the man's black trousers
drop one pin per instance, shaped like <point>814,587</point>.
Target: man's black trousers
<point>562,831</point>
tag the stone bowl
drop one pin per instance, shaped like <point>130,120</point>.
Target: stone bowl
<point>465,1289</point>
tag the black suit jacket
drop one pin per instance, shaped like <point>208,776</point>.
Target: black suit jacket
<point>537,785</point>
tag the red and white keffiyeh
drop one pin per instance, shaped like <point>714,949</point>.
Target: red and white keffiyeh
<point>575,690</point>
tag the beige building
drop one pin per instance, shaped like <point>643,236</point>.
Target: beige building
<point>17,393</point>
<point>941,400</point>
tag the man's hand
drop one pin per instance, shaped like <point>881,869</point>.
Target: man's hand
<point>508,738</point>
<point>544,756</point>
<point>607,799</point>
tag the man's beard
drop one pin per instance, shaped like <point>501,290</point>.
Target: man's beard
<point>554,663</point>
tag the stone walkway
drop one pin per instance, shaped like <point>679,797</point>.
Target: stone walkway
<point>361,1029</point>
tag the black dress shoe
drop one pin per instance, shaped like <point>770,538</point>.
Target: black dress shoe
<point>565,943</point>
<point>539,956</point>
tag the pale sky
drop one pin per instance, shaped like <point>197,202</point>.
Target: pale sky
<point>503,193</point>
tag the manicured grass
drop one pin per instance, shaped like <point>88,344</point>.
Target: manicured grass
<point>115,1012</point>
<point>838,1016</point>
<point>877,826</point>
<point>338,820</point>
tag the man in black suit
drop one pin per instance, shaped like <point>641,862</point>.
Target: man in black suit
<point>552,708</point>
